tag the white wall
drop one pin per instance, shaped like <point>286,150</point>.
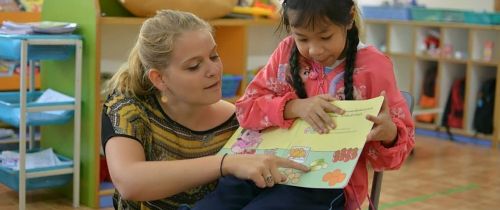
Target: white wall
<point>477,5</point>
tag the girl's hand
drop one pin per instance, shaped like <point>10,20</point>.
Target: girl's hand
<point>383,129</point>
<point>314,111</point>
<point>261,169</point>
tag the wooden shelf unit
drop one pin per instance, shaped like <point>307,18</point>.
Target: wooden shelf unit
<point>401,41</point>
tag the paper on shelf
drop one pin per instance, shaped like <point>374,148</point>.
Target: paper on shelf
<point>40,159</point>
<point>51,96</point>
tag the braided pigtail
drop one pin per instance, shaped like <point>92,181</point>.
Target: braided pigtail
<point>352,50</point>
<point>296,82</point>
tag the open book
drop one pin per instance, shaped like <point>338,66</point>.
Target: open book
<point>331,157</point>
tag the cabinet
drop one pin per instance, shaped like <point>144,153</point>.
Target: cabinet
<point>109,32</point>
<point>24,48</point>
<point>403,42</point>
<point>12,82</point>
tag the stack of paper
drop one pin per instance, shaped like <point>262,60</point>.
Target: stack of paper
<point>44,27</point>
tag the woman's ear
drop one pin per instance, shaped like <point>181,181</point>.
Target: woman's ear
<point>156,77</point>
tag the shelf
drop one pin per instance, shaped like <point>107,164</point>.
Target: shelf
<point>20,16</point>
<point>453,60</point>
<point>400,54</point>
<point>24,48</point>
<point>216,22</point>
<point>456,131</point>
<point>12,82</point>
<point>418,110</point>
<point>428,58</point>
<point>485,63</point>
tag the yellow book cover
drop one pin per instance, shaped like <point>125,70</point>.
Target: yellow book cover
<point>332,157</point>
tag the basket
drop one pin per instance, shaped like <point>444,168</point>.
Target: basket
<point>10,47</point>
<point>393,13</point>
<point>210,9</point>
<point>10,177</point>
<point>230,85</point>
<point>10,109</point>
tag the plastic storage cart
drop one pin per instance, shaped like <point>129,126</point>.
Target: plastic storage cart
<point>21,113</point>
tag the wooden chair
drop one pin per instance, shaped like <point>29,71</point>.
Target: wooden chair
<point>377,175</point>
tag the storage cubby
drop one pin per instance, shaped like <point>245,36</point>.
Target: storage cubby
<point>460,54</point>
<point>403,69</point>
<point>401,39</point>
<point>376,35</point>
<point>486,46</point>
<point>425,45</point>
<point>455,44</point>
<point>449,72</point>
<point>421,66</point>
<point>478,75</point>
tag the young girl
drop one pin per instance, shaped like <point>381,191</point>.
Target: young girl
<point>321,61</point>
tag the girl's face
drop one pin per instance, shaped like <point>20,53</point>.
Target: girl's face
<point>195,71</point>
<point>323,42</point>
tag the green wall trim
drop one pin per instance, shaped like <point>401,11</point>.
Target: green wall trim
<point>59,76</point>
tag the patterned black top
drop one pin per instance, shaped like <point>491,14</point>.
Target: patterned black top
<point>142,119</point>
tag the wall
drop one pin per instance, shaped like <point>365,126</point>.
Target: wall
<point>478,5</point>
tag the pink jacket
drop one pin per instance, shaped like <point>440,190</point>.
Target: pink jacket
<point>264,102</point>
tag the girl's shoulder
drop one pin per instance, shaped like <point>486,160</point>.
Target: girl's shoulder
<point>369,56</point>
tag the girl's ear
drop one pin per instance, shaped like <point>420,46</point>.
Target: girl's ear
<point>156,77</point>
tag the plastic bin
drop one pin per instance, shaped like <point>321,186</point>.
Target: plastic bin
<point>438,15</point>
<point>478,18</point>
<point>453,16</point>
<point>230,85</point>
<point>424,14</point>
<point>9,107</point>
<point>393,13</point>
<point>10,177</point>
<point>10,47</point>
<point>495,18</point>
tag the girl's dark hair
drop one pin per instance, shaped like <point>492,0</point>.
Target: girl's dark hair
<point>308,13</point>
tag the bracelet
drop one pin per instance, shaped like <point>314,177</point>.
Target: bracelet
<point>221,162</point>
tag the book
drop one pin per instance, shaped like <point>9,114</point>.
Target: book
<point>332,157</point>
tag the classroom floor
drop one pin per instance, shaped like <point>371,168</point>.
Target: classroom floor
<point>440,175</point>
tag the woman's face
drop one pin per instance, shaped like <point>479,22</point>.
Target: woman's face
<point>195,71</point>
<point>324,42</point>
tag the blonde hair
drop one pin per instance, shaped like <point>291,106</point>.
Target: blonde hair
<point>358,19</point>
<point>152,50</point>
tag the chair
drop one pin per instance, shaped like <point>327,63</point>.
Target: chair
<point>377,175</point>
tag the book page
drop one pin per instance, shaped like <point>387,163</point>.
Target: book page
<point>332,157</point>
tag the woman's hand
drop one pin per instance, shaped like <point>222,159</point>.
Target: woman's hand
<point>261,169</point>
<point>383,129</point>
<point>314,111</point>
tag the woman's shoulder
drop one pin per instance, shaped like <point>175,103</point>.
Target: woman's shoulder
<point>225,110</point>
<point>117,101</point>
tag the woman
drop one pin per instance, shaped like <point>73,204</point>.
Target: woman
<point>164,119</point>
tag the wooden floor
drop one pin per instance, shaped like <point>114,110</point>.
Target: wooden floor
<point>440,175</point>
